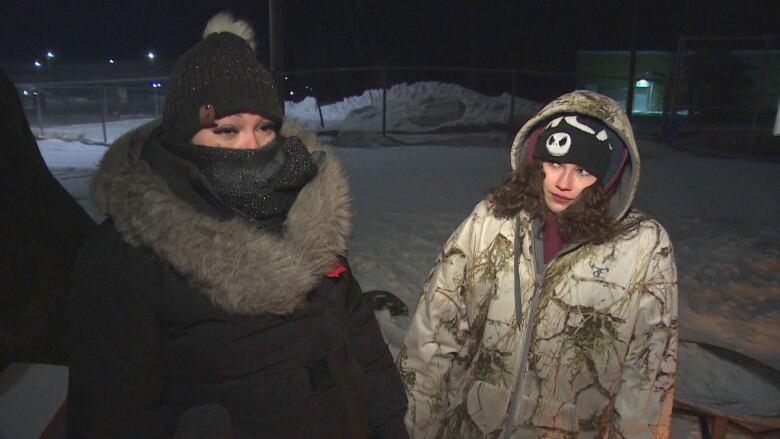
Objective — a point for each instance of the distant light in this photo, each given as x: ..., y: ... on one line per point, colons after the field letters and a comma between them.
x: 35, y: 93
x: 150, y: 55
x: 155, y: 84
x: 292, y: 93
x: 642, y: 83
x: 50, y: 54
x: 37, y: 64
x: 111, y: 61
x: 285, y: 78
x: 25, y: 93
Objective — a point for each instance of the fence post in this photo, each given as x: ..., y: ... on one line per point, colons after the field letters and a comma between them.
x: 757, y: 103
x: 671, y: 115
x: 632, y: 64
x: 319, y: 108
x: 38, y: 103
x: 513, y: 90
x: 704, y: 427
x: 103, y: 111
x: 384, y: 100
x: 156, y: 109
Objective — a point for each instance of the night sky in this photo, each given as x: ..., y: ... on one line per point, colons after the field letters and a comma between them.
x: 343, y: 33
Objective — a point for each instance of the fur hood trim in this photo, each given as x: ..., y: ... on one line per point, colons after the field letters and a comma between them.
x: 242, y: 269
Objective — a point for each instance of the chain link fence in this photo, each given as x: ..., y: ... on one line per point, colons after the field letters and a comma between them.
x: 712, y: 95
x: 89, y: 113
x: 390, y: 101
x: 723, y: 95
x: 73, y: 112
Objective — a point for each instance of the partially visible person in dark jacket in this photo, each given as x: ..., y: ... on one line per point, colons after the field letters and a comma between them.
x: 41, y: 230
x: 216, y: 300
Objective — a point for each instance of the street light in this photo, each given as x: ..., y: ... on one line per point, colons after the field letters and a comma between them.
x: 49, y: 59
x: 37, y: 64
x: 111, y: 61
x: 155, y: 85
x: 150, y: 55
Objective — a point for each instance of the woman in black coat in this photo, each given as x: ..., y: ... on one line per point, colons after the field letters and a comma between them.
x: 216, y: 300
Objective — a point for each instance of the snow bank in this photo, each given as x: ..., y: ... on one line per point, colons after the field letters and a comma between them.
x: 412, y: 108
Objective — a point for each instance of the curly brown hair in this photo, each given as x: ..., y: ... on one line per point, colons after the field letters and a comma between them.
x: 586, y: 219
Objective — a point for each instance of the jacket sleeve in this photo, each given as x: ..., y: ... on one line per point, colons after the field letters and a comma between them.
x: 115, y: 383
x: 434, y: 353
x: 386, y: 399
x: 643, y: 404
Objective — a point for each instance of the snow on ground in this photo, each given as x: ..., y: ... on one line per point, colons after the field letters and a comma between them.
x: 92, y: 132
x: 711, y: 389
x: 409, y: 199
x: 30, y: 394
x: 727, y: 243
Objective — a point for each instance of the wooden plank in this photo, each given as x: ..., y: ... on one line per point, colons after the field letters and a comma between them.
x: 753, y: 423
x: 719, y: 427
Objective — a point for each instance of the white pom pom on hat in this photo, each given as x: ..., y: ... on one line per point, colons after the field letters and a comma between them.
x: 225, y: 22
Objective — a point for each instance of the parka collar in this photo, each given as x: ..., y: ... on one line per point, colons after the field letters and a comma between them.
x: 240, y: 268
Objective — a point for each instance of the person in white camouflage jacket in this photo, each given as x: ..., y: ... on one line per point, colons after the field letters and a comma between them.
x: 552, y: 309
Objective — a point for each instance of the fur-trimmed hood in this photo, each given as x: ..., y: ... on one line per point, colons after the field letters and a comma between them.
x: 242, y: 269
x: 609, y: 112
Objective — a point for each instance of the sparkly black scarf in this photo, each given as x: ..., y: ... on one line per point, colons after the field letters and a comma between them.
x: 257, y: 185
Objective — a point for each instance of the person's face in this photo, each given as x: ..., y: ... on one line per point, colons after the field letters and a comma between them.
x: 238, y: 131
x: 563, y: 183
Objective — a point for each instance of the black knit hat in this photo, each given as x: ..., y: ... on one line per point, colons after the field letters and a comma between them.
x: 574, y: 138
x: 218, y: 77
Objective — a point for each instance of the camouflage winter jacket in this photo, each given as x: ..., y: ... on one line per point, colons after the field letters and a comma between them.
x: 593, y: 351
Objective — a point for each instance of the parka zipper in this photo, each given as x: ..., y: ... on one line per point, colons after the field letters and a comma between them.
x: 537, y: 252
x: 539, y: 276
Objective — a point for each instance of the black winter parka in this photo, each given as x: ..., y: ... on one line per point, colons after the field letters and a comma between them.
x: 184, y: 325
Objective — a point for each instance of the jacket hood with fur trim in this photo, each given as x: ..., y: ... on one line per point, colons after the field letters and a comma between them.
x: 242, y: 269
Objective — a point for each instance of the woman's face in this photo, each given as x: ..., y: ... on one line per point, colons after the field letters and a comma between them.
x: 238, y: 131
x: 563, y: 183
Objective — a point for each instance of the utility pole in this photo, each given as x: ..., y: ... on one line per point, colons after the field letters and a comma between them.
x: 275, y: 37
x: 632, y: 63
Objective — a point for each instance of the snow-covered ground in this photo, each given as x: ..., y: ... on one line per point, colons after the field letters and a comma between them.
x: 92, y: 132
x: 722, y: 215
